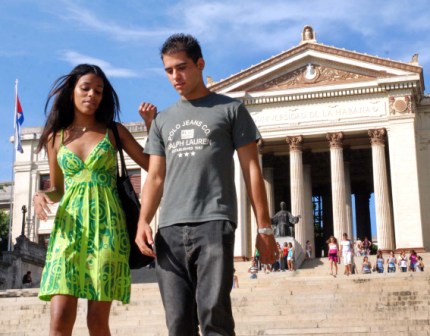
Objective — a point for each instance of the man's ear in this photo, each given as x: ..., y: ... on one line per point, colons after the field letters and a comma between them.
x: 201, y: 64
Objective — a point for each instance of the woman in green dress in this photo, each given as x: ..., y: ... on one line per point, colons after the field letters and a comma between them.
x: 88, y: 249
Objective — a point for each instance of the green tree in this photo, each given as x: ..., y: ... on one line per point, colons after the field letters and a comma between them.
x: 4, y: 223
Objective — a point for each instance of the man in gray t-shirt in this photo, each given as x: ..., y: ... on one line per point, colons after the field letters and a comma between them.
x: 198, y: 140
x: 191, y: 147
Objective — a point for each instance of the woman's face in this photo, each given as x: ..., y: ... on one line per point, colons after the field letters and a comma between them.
x: 88, y: 94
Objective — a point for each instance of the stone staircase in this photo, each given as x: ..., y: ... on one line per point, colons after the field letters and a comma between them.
x: 306, y: 302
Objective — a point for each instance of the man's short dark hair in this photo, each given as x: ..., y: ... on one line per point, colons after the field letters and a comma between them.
x: 182, y: 42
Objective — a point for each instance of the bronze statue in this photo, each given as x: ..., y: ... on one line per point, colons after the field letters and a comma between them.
x: 284, y: 221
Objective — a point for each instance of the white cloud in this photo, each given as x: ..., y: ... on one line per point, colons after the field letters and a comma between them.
x: 269, y: 25
x: 89, y: 20
x: 75, y: 58
x: 262, y: 26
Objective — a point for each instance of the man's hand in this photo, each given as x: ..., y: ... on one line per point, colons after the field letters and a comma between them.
x: 144, y: 239
x: 266, y: 245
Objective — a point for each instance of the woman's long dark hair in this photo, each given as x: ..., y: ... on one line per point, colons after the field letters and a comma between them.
x: 62, y: 111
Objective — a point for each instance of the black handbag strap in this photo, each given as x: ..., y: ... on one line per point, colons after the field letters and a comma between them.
x: 119, y: 147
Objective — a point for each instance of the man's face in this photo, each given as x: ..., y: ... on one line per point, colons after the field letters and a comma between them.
x: 184, y: 75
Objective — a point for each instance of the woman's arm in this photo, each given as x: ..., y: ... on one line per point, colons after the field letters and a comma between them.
x: 54, y: 194
x: 147, y: 111
x: 132, y: 147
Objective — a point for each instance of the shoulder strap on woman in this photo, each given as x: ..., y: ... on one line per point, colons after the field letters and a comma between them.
x: 114, y: 129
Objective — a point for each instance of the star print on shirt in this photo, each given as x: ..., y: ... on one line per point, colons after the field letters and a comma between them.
x: 187, y: 154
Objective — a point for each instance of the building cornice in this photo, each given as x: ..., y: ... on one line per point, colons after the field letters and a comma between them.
x: 272, y: 97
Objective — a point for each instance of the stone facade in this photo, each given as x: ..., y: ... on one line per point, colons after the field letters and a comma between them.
x: 342, y: 123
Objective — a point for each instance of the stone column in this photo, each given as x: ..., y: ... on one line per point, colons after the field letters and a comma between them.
x: 348, y: 201
x: 327, y: 203
x: 268, y: 182
x: 384, y: 224
x: 297, y: 187
x: 337, y: 184
x: 309, y: 225
x: 244, y: 245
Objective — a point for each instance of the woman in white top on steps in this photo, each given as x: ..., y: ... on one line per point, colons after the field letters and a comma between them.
x: 403, y: 262
x: 346, y: 252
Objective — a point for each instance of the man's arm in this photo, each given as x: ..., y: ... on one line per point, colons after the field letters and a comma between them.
x: 254, y: 182
x: 152, y: 192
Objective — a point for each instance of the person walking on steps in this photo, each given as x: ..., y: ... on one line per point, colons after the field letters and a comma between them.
x: 88, y: 249
x: 191, y: 146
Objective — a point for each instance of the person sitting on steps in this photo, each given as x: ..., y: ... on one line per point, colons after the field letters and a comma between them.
x: 27, y: 281
x: 366, y: 267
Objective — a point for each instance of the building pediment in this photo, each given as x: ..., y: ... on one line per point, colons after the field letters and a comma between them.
x: 312, y: 65
x: 310, y: 75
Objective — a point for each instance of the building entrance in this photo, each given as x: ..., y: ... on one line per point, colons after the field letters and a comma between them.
x: 358, y: 176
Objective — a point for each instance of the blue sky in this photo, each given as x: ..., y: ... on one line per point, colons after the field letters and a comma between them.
x: 42, y: 40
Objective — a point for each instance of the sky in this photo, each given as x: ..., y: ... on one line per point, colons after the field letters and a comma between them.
x: 43, y: 40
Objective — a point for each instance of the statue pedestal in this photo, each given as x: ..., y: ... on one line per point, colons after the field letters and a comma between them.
x: 299, y: 253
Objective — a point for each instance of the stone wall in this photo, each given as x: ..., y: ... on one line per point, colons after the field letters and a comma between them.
x: 26, y: 256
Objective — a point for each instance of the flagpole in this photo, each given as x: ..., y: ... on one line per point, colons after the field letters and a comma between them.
x: 9, y: 246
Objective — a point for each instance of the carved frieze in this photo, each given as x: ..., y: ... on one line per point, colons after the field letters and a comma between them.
x: 400, y: 105
x: 324, y: 113
x: 311, y: 74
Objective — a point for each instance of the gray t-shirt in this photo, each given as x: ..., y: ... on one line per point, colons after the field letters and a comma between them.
x: 198, y: 139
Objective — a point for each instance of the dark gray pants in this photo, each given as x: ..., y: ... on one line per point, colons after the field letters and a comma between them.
x: 195, y: 274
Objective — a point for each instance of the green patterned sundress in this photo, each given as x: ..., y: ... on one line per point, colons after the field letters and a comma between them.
x: 88, y: 248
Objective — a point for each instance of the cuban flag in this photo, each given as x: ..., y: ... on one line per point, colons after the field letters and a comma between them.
x: 19, y: 119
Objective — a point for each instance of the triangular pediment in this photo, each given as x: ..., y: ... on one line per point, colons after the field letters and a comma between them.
x: 311, y: 65
x: 307, y: 76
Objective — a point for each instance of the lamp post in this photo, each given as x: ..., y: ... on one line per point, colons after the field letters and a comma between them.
x: 24, y: 210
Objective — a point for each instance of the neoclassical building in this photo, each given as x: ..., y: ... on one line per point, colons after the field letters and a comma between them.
x: 337, y: 127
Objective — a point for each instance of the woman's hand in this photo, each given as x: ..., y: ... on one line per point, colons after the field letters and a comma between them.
x: 147, y: 111
x: 41, y: 203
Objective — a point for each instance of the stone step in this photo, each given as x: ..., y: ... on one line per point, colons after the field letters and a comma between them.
x: 295, y: 303
x: 282, y: 303
x: 250, y: 330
